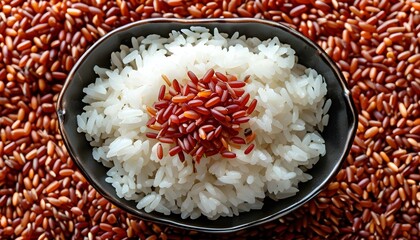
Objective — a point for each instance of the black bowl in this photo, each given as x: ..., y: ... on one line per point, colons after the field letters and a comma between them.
x: 338, y: 134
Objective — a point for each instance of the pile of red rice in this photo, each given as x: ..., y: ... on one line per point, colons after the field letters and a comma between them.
x: 375, y: 43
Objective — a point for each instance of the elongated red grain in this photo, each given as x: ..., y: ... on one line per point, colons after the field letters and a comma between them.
x: 228, y: 154
x: 193, y: 77
x: 237, y: 140
x: 175, y: 150
x: 236, y: 84
x: 249, y: 149
x: 221, y: 76
x: 159, y: 151
x: 195, y: 103
x: 208, y: 75
x: 217, y: 115
x: 191, y: 114
x: 213, y: 101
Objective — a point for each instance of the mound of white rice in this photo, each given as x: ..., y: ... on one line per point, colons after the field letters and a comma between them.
x: 290, y: 113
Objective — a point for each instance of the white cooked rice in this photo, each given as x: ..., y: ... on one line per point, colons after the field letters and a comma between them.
x: 291, y: 112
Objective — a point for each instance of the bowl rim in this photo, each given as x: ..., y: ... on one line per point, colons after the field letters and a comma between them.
x: 351, y: 111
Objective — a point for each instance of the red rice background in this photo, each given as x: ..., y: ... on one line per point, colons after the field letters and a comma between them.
x: 375, y: 42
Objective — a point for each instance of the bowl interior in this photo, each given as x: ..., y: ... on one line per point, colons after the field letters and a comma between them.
x: 338, y: 134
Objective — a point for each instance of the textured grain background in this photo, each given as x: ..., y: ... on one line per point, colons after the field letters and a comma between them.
x: 375, y: 42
